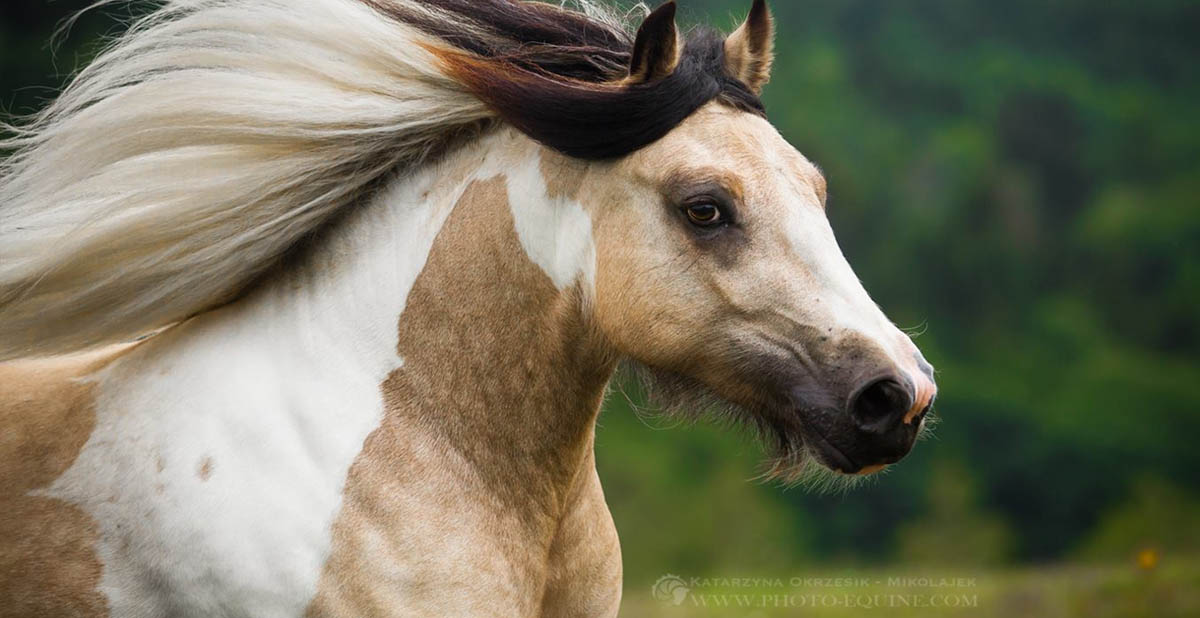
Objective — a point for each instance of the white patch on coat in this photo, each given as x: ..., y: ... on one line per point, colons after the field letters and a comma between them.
x: 555, y: 233
x: 279, y: 391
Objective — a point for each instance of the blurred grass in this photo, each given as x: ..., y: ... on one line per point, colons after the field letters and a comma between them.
x: 1169, y: 589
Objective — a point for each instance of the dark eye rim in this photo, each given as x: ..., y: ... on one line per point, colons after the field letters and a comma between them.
x: 722, y: 213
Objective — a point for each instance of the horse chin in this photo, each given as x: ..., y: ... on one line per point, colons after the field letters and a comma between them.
x: 825, y: 467
x: 814, y: 469
x: 794, y: 454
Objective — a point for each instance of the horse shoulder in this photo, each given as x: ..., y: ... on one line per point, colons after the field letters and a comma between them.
x: 47, y: 546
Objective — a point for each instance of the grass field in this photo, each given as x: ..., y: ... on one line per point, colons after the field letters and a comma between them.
x: 1169, y: 588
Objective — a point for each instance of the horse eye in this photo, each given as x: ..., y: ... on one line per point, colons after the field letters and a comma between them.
x: 705, y: 214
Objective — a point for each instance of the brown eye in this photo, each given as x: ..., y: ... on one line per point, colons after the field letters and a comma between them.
x: 704, y: 214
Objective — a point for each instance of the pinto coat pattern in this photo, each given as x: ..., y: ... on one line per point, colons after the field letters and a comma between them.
x: 381, y: 291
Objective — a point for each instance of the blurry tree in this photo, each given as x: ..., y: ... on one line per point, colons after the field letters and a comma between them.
x: 1158, y: 517
x: 953, y: 530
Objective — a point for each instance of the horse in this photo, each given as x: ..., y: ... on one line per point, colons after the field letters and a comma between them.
x: 309, y: 308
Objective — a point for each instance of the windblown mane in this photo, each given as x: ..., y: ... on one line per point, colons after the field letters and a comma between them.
x: 215, y: 134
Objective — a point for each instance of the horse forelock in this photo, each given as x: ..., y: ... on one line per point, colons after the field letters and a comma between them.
x: 558, y: 75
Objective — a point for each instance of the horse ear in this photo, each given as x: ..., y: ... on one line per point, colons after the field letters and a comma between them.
x: 656, y: 51
x: 750, y: 50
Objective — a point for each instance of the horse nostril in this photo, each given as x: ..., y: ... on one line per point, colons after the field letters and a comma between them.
x: 880, y: 404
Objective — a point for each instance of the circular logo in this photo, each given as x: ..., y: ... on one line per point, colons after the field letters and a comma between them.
x: 670, y: 589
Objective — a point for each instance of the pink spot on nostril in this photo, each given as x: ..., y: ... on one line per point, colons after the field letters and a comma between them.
x: 926, y: 391
x: 869, y: 470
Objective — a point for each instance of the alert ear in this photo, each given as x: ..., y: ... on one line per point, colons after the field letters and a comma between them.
x: 656, y: 51
x: 750, y: 50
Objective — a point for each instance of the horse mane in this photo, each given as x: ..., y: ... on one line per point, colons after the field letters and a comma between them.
x: 214, y: 135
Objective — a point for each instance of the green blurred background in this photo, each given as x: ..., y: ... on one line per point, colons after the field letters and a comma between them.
x: 1017, y: 181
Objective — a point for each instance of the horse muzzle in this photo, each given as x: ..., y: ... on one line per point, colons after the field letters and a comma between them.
x: 876, y: 427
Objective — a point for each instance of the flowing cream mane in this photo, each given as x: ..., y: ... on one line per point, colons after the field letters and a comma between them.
x: 201, y: 146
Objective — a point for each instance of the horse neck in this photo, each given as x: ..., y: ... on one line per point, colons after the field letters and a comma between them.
x: 461, y: 290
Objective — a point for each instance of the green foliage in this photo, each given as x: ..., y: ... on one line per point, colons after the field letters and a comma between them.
x: 1157, y: 517
x: 952, y: 531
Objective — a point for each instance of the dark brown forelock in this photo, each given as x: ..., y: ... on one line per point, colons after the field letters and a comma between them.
x: 555, y: 74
